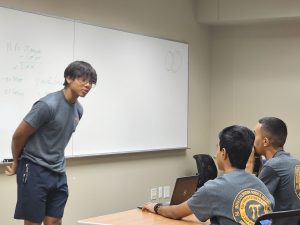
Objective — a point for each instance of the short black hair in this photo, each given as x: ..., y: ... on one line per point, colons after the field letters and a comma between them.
x: 275, y: 130
x: 238, y: 142
x: 80, y: 69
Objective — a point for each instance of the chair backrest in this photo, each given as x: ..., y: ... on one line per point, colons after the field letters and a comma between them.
x: 278, y: 215
x: 206, y: 167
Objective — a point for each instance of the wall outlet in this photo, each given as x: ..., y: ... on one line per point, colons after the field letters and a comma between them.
x: 160, y: 192
x: 166, y: 191
x: 153, y: 193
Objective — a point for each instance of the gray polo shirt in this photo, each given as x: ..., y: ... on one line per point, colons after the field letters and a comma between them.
x: 235, y: 198
x: 281, y: 175
x: 55, y: 120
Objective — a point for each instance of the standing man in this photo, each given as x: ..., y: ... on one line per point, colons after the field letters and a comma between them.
x: 38, y: 146
x: 235, y: 198
x: 281, y: 172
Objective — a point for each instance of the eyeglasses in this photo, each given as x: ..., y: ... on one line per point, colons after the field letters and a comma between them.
x: 85, y: 81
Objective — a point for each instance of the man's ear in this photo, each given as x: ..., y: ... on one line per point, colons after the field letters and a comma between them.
x: 69, y: 80
x: 266, y: 142
x: 224, y: 153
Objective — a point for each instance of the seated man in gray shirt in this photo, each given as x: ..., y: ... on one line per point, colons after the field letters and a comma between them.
x: 235, y: 198
x: 281, y: 172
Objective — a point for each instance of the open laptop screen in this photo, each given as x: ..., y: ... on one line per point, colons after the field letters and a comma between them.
x: 184, y: 188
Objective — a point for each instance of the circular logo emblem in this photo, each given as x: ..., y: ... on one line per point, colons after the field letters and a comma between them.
x: 297, y: 180
x: 248, y: 205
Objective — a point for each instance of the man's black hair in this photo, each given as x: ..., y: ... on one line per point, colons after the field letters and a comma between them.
x: 238, y: 142
x: 80, y: 69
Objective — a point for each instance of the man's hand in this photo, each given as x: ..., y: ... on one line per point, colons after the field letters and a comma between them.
x: 149, y: 206
x: 250, y: 164
x: 12, y: 169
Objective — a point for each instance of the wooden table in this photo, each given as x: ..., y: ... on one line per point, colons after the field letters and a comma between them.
x: 139, y: 217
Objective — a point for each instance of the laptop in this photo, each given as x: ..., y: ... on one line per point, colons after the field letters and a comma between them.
x: 184, y: 188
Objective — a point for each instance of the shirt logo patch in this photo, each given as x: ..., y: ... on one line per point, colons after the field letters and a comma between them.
x: 248, y: 205
x: 297, y: 180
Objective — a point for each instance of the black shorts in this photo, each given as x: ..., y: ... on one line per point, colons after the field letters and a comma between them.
x: 41, y: 192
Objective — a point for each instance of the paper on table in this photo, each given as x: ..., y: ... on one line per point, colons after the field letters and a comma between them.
x: 92, y: 223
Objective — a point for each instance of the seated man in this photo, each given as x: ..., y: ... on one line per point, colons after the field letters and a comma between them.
x: 281, y: 172
x: 235, y: 198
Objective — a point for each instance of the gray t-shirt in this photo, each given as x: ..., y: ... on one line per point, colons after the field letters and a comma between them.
x: 55, y: 120
x: 235, y: 198
x: 281, y: 175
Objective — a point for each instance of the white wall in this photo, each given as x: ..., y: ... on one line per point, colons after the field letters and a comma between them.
x: 102, y: 185
x: 256, y: 73
x: 245, y: 11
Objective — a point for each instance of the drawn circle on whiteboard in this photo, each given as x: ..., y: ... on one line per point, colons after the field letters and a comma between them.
x: 173, y: 61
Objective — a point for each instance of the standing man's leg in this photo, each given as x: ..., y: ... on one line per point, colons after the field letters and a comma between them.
x: 26, y: 222
x: 52, y: 221
x: 31, y: 196
x: 56, y: 200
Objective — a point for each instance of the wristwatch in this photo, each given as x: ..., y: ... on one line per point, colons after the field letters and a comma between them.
x: 156, y: 207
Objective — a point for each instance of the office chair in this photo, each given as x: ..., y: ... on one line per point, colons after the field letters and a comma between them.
x: 206, y: 167
x: 267, y: 218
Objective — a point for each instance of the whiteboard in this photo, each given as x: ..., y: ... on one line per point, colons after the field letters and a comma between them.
x: 141, y: 96
x: 141, y: 99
